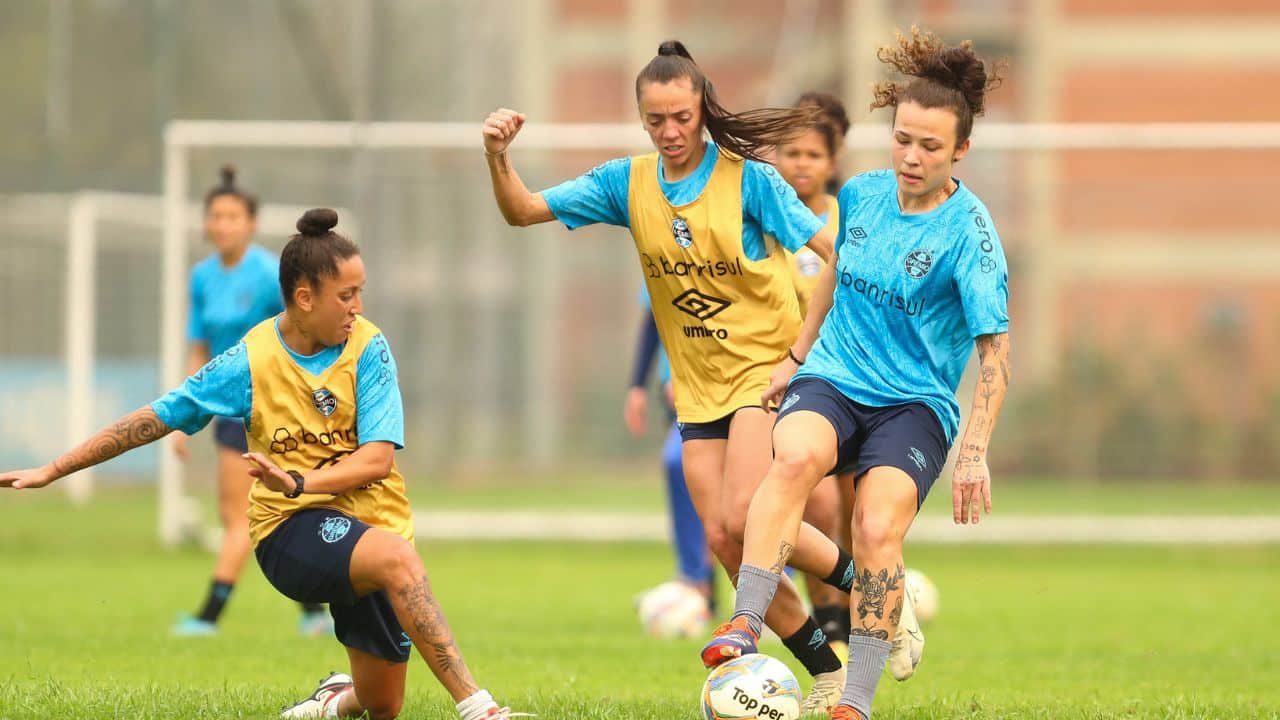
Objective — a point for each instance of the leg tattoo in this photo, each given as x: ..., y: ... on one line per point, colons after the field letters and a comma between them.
x: 875, y: 589
x: 785, y: 550
x: 438, y: 648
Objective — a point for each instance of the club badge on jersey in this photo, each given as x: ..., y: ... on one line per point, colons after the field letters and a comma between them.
x: 680, y: 231
x: 324, y: 401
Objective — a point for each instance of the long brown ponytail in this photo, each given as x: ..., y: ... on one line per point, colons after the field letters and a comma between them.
x: 747, y: 134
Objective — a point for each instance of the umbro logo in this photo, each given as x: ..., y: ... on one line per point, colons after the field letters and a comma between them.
x: 699, y: 304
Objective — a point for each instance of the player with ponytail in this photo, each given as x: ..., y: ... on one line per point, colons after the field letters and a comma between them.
x: 701, y: 210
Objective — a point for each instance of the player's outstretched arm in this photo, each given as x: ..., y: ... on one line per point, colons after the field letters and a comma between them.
x: 136, y: 429
x: 519, y: 206
x: 823, y: 244
x: 971, y: 483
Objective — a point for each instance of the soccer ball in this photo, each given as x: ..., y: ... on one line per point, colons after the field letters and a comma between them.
x: 925, y: 593
x: 674, y: 610
x: 751, y: 686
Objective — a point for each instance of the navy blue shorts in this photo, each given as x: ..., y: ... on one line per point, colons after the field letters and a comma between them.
x: 717, y: 429
x: 229, y: 433
x: 908, y: 437
x: 308, y: 559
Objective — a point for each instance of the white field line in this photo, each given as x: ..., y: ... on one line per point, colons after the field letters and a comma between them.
x: 619, y: 526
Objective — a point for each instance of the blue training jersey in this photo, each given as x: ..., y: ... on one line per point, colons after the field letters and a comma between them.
x: 769, y: 204
x: 227, y: 302
x: 224, y: 388
x: 912, y: 293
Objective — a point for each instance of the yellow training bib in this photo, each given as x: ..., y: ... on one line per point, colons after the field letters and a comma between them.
x: 725, y: 321
x: 805, y: 263
x: 305, y: 422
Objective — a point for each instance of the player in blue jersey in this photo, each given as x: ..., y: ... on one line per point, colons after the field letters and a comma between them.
x: 700, y: 212
x: 693, y: 561
x: 231, y: 291
x: 317, y: 391
x: 919, y: 280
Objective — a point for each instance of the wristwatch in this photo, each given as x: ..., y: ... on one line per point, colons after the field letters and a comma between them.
x: 297, y: 490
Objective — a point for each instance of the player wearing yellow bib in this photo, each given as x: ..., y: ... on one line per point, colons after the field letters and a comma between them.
x: 316, y: 390
x: 808, y: 163
x: 700, y: 213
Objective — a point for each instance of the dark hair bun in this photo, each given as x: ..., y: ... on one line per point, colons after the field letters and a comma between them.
x: 317, y: 221
x: 228, y: 175
x: 674, y: 48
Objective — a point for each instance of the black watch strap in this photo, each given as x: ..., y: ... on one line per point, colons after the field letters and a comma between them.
x: 297, y: 478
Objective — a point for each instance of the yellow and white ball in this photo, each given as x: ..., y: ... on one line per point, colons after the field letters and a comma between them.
x: 752, y: 686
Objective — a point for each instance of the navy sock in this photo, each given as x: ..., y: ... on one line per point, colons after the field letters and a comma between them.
x: 312, y: 608
x: 809, y: 646
x: 842, y: 576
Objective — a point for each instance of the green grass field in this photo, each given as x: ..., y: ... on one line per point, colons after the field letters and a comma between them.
x: 1024, y: 632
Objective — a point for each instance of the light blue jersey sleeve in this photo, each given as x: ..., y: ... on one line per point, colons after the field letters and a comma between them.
x: 379, y: 410
x: 981, y: 276
x: 196, y: 331
x: 222, y: 388
x: 771, y: 202
x: 599, y: 196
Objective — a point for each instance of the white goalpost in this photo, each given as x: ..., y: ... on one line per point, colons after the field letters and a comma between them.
x: 1050, y: 264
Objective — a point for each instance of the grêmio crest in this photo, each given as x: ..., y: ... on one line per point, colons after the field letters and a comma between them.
x: 324, y: 401
x: 681, y: 232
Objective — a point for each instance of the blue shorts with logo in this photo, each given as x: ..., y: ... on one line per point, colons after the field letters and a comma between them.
x: 229, y: 433
x: 717, y: 429
x: 908, y: 437
x: 308, y: 559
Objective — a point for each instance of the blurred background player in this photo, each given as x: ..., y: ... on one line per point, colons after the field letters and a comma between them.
x: 693, y: 559
x: 723, y: 299
x: 808, y: 162
x: 875, y: 390
x: 324, y: 530
x: 232, y: 290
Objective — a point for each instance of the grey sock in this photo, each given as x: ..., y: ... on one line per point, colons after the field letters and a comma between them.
x: 867, y: 657
x: 756, y: 588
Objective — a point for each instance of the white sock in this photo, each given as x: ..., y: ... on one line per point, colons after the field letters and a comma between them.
x: 331, y: 707
x: 476, y: 706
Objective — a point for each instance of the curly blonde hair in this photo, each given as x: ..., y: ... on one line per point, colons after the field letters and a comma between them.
x: 951, y: 77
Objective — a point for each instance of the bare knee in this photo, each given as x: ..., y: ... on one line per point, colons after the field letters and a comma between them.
x: 383, y: 708
x: 400, y: 567
x: 797, y: 468
x: 876, y: 532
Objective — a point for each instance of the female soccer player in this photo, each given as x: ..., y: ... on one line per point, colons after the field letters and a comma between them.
x: 316, y: 388
x: 920, y: 279
x: 231, y: 291
x: 808, y: 163
x: 722, y: 296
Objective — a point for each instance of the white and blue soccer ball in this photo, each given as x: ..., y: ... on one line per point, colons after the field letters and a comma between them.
x: 674, y: 610
x: 924, y: 593
x: 751, y: 686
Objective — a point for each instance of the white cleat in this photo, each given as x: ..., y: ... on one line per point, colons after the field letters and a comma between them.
x: 313, y: 706
x: 503, y: 713
x: 908, y: 643
x: 825, y: 693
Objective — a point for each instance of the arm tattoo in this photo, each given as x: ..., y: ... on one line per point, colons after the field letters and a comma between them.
x: 430, y: 627
x: 785, y: 549
x: 136, y: 429
x: 875, y: 590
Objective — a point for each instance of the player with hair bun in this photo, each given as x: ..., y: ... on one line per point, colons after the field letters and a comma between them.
x: 918, y: 281
x: 231, y: 291
x: 316, y: 389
